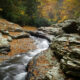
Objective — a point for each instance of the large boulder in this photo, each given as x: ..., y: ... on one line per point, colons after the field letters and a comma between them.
x: 69, y: 26
x: 67, y: 50
x: 4, y: 45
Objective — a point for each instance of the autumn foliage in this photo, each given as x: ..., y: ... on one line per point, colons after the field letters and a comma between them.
x: 59, y: 10
x: 39, y: 12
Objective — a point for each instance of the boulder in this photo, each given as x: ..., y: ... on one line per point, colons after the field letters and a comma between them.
x: 4, y: 45
x: 51, y: 30
x: 67, y: 50
x: 69, y: 26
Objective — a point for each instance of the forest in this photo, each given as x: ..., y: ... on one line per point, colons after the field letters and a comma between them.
x: 39, y: 12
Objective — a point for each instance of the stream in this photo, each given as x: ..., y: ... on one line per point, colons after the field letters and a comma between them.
x: 15, y: 68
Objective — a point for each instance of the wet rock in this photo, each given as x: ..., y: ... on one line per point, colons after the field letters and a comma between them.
x: 4, y: 45
x: 41, y: 34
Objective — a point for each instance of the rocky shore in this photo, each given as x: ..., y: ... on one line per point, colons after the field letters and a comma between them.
x: 62, y: 60
x: 14, y: 40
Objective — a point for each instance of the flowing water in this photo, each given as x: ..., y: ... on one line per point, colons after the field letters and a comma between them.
x: 15, y: 68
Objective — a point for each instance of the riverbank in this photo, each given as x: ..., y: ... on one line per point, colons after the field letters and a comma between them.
x: 17, y: 46
x: 64, y: 53
x: 15, y: 68
x: 57, y: 56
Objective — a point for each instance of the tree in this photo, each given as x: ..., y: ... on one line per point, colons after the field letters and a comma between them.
x: 19, y: 11
x: 59, y: 10
x: 31, y: 10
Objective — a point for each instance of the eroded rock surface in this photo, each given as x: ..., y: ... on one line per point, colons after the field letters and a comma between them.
x: 65, y: 45
x: 67, y: 48
x: 42, y: 64
x: 68, y: 51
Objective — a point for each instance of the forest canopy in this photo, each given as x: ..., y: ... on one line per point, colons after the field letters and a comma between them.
x: 39, y: 12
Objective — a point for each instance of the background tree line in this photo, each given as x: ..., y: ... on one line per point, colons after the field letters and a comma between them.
x: 39, y: 12
x: 60, y: 10
x: 23, y: 12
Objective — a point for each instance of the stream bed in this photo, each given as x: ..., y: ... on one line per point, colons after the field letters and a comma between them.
x: 15, y: 68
